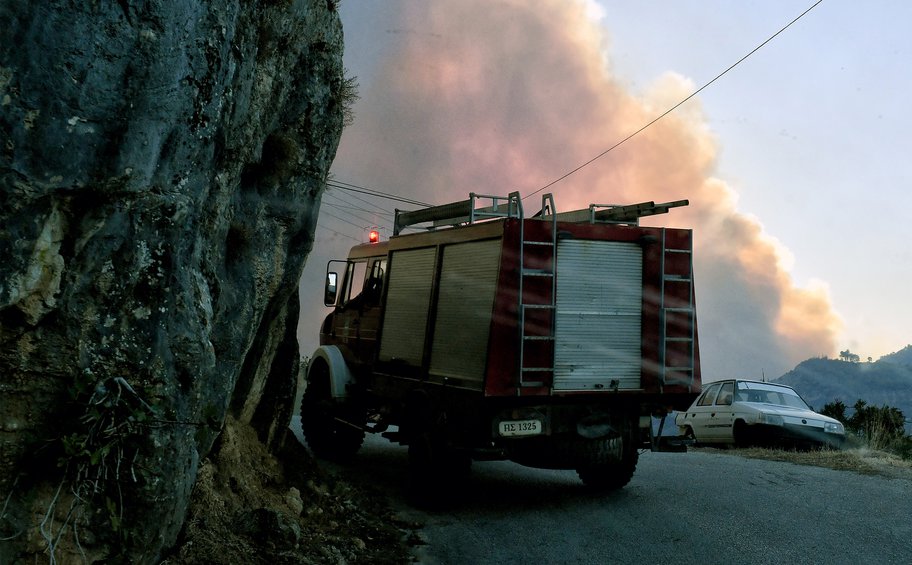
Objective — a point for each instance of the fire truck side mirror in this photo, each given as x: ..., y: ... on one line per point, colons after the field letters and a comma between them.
x: 331, y: 288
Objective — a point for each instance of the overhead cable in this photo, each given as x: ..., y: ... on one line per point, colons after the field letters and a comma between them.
x: 372, y: 192
x: 673, y: 108
x: 319, y: 225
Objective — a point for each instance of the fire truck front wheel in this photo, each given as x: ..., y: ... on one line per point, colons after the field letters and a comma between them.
x: 333, y: 429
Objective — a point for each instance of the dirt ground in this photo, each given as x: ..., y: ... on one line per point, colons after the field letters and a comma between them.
x: 251, y: 507
x: 860, y: 460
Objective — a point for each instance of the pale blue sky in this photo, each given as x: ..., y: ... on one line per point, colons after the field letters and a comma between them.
x: 809, y: 133
x: 813, y: 133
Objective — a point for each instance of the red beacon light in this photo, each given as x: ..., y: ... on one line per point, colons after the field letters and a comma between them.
x: 374, y: 236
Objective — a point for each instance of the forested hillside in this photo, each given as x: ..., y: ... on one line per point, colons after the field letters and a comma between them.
x: 886, y: 381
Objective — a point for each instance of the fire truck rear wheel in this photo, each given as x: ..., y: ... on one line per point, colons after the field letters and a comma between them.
x: 607, y: 471
x: 437, y: 471
x: 326, y: 436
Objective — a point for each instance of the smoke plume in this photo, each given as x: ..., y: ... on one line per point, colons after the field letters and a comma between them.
x: 492, y: 97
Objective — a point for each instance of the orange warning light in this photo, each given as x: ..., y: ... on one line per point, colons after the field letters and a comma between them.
x: 374, y: 236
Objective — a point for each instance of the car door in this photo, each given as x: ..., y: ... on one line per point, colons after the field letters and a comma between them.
x: 721, y: 418
x: 699, y: 414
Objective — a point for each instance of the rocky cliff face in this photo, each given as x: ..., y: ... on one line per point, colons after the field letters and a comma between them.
x: 160, y: 165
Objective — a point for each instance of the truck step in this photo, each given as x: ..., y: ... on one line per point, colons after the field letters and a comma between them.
x: 531, y: 384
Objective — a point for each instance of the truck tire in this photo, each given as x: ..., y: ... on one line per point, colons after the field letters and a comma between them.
x: 612, y: 464
x: 437, y: 471
x: 327, y: 436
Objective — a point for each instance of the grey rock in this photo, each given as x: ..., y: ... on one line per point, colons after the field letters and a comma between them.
x: 161, y: 165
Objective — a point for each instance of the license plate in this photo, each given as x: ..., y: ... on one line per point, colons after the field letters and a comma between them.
x: 520, y: 428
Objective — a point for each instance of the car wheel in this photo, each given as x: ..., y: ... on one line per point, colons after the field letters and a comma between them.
x: 689, y: 435
x: 743, y: 435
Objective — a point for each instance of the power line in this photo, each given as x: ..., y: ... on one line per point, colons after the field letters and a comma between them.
x: 379, y: 194
x: 676, y: 106
x: 372, y: 192
x: 319, y: 225
x: 347, y: 205
x: 343, y: 210
x: 331, y: 215
x: 373, y: 205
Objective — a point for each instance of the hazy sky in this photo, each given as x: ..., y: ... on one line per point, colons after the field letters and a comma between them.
x: 793, y: 161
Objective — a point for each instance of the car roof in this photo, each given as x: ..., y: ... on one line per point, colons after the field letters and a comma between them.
x: 761, y: 383
x: 750, y: 384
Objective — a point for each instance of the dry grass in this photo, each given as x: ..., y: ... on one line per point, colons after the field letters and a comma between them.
x: 860, y: 460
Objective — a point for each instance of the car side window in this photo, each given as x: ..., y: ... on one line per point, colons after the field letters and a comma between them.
x: 725, y: 394
x: 710, y: 395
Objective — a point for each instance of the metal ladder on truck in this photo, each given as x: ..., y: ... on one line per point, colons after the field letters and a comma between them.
x: 535, y: 303
x: 677, y: 314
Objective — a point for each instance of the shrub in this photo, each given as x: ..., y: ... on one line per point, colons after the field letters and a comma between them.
x: 879, y: 427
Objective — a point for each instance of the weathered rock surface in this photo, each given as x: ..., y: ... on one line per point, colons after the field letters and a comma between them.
x: 160, y: 163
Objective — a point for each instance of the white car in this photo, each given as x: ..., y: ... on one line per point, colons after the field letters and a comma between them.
x: 747, y: 413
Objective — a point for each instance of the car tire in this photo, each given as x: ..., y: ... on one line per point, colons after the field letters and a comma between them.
x: 689, y: 435
x: 743, y: 435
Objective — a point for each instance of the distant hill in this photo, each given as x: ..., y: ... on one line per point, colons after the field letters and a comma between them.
x: 901, y: 357
x: 886, y: 381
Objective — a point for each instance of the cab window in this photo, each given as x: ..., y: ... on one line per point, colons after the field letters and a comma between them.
x: 355, y: 280
x: 373, y: 287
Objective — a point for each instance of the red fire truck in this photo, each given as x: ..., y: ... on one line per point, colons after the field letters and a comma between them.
x: 550, y: 340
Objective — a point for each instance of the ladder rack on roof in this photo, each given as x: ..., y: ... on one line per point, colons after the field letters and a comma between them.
x: 461, y: 212
x: 615, y: 214
x: 465, y: 212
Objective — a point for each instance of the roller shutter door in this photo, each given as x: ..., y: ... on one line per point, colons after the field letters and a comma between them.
x: 599, y: 315
x: 468, y: 280
x: 411, y: 277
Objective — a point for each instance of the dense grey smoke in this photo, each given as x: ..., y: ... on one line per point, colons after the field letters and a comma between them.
x: 492, y: 97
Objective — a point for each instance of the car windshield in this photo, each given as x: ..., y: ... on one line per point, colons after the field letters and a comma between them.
x: 769, y: 394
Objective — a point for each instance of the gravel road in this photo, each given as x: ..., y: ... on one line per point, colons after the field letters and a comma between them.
x: 694, y: 507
